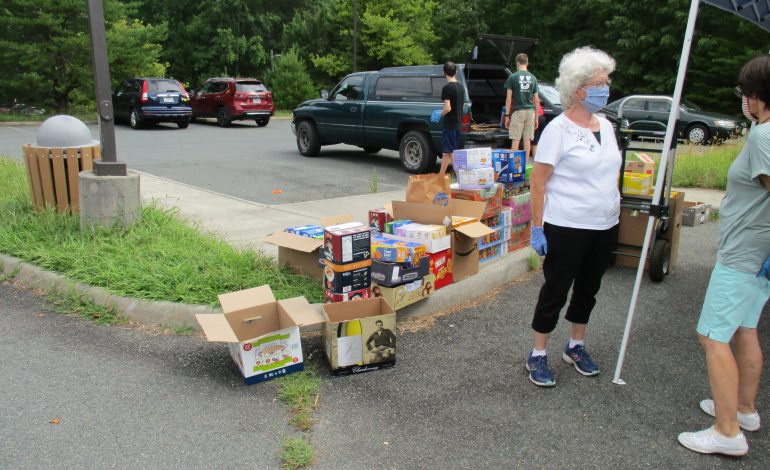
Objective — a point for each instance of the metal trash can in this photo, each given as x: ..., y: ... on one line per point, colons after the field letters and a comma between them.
x: 63, y: 149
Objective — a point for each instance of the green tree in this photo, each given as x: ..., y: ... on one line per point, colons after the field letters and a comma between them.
x: 290, y: 81
x: 391, y: 32
x: 45, y: 50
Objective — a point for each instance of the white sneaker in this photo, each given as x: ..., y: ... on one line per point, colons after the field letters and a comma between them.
x: 710, y: 441
x: 747, y: 422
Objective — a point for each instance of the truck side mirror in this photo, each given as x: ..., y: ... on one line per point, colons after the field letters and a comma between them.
x: 325, y: 94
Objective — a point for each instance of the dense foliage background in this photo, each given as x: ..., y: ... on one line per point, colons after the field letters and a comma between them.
x: 301, y: 46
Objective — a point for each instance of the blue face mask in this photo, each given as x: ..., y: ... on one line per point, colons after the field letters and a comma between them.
x: 596, y: 98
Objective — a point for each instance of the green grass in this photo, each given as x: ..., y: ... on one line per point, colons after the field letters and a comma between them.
x: 297, y: 453
x: 72, y: 303
x: 160, y: 258
x: 700, y: 166
x: 82, y: 114
x: 533, y: 260
x: 299, y: 391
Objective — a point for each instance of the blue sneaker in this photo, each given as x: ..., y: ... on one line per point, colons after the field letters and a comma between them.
x: 539, y: 372
x: 578, y: 357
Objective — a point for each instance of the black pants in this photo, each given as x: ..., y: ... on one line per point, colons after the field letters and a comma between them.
x: 574, y: 255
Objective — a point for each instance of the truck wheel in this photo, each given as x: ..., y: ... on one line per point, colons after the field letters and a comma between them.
x: 371, y: 149
x: 416, y: 152
x: 308, y: 142
x: 659, y: 260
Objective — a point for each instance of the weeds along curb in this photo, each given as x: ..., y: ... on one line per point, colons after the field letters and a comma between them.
x: 498, y: 274
x: 168, y: 314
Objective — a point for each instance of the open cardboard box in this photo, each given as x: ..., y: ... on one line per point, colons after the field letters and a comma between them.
x: 464, y: 238
x: 632, y: 228
x: 301, y: 254
x: 406, y: 294
x: 261, y: 333
x: 353, y: 340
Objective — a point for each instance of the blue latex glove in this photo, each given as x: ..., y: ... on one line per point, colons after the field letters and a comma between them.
x: 436, y: 115
x: 538, y: 242
x: 765, y: 269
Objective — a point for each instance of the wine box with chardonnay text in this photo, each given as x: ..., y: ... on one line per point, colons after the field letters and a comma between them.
x: 359, y: 336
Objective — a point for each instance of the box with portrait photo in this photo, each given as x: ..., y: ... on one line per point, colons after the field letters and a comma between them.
x: 359, y: 336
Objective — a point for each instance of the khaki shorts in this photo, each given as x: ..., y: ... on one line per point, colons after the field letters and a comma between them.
x: 522, y: 125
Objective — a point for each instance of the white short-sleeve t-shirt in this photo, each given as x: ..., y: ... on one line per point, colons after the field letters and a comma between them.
x: 582, y: 191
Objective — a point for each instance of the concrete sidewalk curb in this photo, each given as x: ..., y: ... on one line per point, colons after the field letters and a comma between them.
x: 494, y: 274
x: 168, y: 314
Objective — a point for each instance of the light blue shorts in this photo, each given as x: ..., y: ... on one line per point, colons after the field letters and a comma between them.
x: 734, y: 299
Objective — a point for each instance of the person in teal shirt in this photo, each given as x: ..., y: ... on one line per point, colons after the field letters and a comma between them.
x: 740, y: 282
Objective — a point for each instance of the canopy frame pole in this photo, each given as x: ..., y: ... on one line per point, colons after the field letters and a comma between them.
x: 670, y: 129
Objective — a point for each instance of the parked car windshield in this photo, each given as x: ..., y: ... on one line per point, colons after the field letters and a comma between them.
x: 249, y: 87
x: 550, y: 93
x: 163, y: 85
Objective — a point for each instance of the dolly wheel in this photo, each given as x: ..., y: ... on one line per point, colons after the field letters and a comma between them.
x: 659, y: 260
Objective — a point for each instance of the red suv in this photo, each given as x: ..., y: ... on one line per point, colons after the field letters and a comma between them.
x: 231, y: 99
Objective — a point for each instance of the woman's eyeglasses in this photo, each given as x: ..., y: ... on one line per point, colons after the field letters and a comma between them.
x: 605, y: 83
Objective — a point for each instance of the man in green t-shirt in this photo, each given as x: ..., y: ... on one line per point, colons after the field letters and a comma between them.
x: 521, y: 100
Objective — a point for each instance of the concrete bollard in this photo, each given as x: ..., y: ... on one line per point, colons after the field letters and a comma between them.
x: 106, y: 201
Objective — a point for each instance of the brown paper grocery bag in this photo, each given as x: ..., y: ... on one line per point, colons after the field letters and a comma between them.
x: 432, y: 188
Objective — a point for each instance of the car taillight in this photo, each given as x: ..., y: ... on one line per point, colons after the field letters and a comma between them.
x: 465, y: 125
x: 144, y: 98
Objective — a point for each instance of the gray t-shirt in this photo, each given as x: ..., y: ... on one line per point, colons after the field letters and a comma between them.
x: 744, y: 215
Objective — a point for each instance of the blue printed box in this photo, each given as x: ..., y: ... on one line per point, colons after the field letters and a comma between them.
x: 510, y: 165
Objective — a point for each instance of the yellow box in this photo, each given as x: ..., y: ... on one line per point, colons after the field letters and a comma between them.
x: 637, y: 184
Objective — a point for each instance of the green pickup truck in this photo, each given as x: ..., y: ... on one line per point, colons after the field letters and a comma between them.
x: 391, y: 108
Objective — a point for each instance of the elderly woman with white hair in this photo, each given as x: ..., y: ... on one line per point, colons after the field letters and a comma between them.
x: 575, y: 208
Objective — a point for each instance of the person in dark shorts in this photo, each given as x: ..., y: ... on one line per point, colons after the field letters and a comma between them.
x: 453, y: 96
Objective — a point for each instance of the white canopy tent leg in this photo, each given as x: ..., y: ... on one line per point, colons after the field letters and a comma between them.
x: 670, y: 128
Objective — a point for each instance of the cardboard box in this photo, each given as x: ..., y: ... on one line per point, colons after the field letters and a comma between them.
x: 520, y: 236
x: 509, y: 165
x: 492, y: 197
x: 490, y: 252
x: 637, y: 162
x: 431, y: 246
x: 633, y: 225
x: 406, y: 294
x: 333, y: 297
x: 521, y: 207
x: 393, y: 274
x: 637, y: 184
x: 262, y: 333
x: 695, y: 213
x: 512, y: 189
x: 354, y: 341
x: 297, y: 253
x: 344, y: 278
x: 476, y: 179
x: 347, y: 243
x: 300, y: 254
x: 472, y: 158
x: 378, y: 218
x: 397, y: 251
x: 441, y: 267
x: 465, y: 254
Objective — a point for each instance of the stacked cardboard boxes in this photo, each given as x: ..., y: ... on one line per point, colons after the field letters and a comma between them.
x: 516, y: 196
x: 347, y: 272
x: 510, y: 165
x: 401, y: 266
x: 473, y: 168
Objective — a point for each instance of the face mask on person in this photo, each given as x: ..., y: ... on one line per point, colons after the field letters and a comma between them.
x: 596, y: 98
x: 745, y: 109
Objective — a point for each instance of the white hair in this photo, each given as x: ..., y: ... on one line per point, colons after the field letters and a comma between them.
x: 578, y: 66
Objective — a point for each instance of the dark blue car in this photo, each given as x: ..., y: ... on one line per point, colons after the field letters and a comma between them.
x: 140, y: 101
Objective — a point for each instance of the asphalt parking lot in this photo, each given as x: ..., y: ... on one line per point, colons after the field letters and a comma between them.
x: 258, y: 164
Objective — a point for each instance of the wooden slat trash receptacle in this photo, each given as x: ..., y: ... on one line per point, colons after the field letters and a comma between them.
x: 52, y: 173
